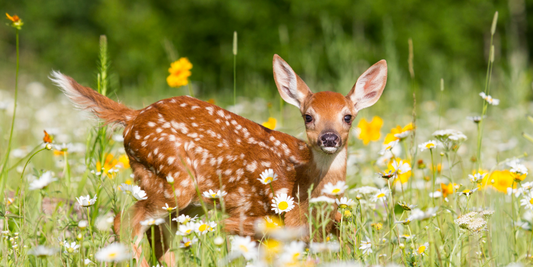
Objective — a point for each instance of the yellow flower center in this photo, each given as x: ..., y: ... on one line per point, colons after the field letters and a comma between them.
x: 188, y: 231
x: 531, y: 201
x: 213, y: 195
x: 187, y: 244
x: 466, y: 191
x: 243, y: 248
x: 343, y: 206
x: 430, y: 145
x: 283, y: 205
x: 380, y: 195
x: 336, y: 190
x: 112, y: 255
x: 347, y: 213
x: 421, y: 249
x: 269, y: 179
x: 202, y: 227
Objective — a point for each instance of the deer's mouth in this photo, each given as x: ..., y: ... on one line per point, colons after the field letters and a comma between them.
x: 329, y: 149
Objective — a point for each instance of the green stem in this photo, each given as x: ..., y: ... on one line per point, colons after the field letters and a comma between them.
x: 3, y: 175
x: 433, y: 173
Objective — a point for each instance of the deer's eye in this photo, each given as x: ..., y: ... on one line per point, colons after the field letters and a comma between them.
x: 308, y: 118
x: 348, y: 119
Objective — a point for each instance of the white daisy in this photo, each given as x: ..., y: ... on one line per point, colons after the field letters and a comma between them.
x: 344, y: 202
x: 292, y: 252
x: 153, y: 221
x: 83, y: 224
x: 244, y: 246
x: 322, y: 199
x: 214, y: 195
x: 133, y: 190
x: 86, y: 201
x: 43, y: 181
x: 316, y: 247
x: 186, y: 229
x: 42, y: 251
x: 366, y: 246
x: 167, y: 208
x: 187, y: 242
x: 335, y: 189
x: 268, y: 176
x: 431, y: 144
x: 388, y: 146
x: 282, y: 203
x: 418, y: 214
x: 476, y: 178
x: 205, y: 227
x: 114, y: 252
x: 488, y: 98
x: 527, y: 186
x: 86, y: 262
x: 401, y: 167
x: 70, y: 247
x: 518, y: 168
x: 527, y: 200
x: 435, y: 194
x: 381, y: 195
x: 183, y: 219
x: 170, y: 179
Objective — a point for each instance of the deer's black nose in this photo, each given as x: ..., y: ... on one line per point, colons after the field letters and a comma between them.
x: 329, y: 139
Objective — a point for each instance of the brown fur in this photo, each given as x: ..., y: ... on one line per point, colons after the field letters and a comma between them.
x: 200, y: 144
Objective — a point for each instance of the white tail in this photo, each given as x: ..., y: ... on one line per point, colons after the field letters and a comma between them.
x: 196, y: 143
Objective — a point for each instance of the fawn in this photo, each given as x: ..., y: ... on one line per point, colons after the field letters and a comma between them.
x: 198, y: 143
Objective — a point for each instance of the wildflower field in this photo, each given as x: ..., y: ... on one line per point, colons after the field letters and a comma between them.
x: 438, y: 180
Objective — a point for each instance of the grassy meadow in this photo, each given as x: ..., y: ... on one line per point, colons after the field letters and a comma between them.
x: 437, y: 169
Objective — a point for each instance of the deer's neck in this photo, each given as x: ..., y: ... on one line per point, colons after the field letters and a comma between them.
x: 321, y: 169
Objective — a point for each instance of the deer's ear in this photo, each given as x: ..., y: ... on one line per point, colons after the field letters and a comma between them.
x: 290, y: 86
x: 369, y: 86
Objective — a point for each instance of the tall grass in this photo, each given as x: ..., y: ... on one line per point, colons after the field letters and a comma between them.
x: 431, y: 214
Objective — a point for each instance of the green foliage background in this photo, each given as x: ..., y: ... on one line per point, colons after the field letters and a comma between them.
x: 329, y: 43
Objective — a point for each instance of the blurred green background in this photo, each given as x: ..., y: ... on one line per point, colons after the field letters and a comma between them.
x: 328, y: 43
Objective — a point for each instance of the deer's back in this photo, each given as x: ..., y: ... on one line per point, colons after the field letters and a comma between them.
x: 191, y: 139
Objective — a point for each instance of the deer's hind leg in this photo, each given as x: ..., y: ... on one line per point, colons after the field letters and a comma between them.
x: 159, y: 193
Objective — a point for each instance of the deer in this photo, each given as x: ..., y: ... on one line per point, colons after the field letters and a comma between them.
x: 199, y: 144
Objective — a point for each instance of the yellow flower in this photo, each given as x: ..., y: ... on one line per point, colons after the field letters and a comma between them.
x: 399, y: 133
x: 179, y: 72
x: 377, y: 226
x: 270, y: 124
x: 404, y: 176
x: 370, y: 131
x: 501, y: 180
x: 271, y: 248
x: 110, y: 164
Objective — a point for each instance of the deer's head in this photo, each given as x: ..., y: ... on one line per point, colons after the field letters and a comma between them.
x: 328, y: 116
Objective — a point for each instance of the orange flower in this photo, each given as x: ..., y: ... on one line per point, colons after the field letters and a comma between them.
x: 47, y: 139
x: 13, y: 18
x: 16, y: 21
x: 270, y: 124
x: 399, y: 133
x: 447, y: 189
x: 179, y: 72
x: 370, y: 131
